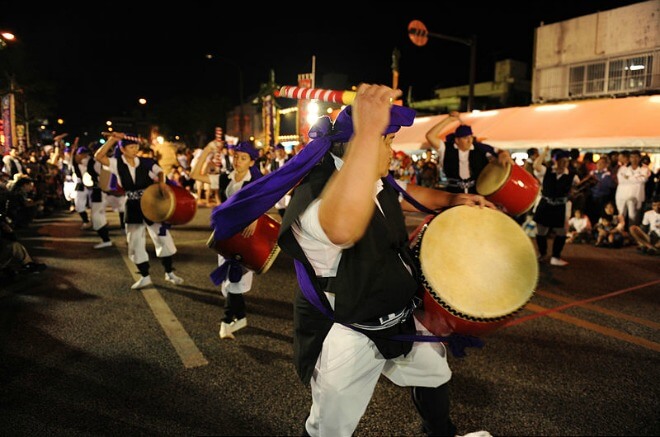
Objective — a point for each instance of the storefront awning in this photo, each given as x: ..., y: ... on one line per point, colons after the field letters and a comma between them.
x: 623, y: 123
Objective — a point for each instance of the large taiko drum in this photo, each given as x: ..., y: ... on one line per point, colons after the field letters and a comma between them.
x: 257, y: 252
x: 478, y: 269
x: 511, y: 187
x: 172, y: 204
x: 107, y: 184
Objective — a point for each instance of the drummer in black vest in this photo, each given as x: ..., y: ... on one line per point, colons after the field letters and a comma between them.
x: 551, y: 213
x: 88, y: 172
x: 461, y: 158
x: 135, y: 175
x: 346, y: 227
x: 81, y: 160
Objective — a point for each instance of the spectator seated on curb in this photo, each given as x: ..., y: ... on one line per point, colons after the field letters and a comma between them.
x: 12, y: 252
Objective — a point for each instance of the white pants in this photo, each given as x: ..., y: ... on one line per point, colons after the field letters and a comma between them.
x: 240, y: 287
x: 348, y: 369
x: 81, y: 199
x: 117, y: 203
x: 137, y: 241
x: 628, y: 205
x: 69, y: 190
x: 98, y: 213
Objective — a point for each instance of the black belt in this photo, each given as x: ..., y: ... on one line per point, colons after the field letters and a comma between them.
x: 391, y: 319
x: 555, y: 201
x: 134, y: 195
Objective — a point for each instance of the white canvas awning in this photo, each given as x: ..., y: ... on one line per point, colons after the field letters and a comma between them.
x: 624, y: 123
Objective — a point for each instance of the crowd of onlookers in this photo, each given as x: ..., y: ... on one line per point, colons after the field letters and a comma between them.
x: 616, y: 191
x: 615, y: 203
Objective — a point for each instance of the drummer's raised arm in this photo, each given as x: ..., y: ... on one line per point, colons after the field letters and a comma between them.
x: 432, y: 134
x: 197, y: 172
x: 538, y: 162
x: 101, y: 154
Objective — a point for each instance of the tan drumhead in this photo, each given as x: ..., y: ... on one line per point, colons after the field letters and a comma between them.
x: 157, y: 206
x: 104, y: 179
x: 479, y: 261
x: 492, y: 178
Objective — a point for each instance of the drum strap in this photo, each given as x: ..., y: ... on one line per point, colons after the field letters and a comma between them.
x: 456, y: 342
x: 390, y: 179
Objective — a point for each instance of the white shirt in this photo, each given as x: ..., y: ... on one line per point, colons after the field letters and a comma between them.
x: 631, y: 182
x: 234, y: 185
x: 652, y: 220
x: 153, y: 172
x: 323, y: 255
x: 579, y: 224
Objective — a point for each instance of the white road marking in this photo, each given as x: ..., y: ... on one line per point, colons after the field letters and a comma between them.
x: 190, y: 355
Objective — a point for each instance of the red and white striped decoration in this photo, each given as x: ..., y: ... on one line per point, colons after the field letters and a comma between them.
x: 333, y: 96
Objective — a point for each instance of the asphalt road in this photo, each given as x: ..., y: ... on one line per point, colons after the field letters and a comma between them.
x: 81, y: 354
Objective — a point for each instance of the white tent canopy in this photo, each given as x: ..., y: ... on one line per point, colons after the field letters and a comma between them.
x: 624, y: 123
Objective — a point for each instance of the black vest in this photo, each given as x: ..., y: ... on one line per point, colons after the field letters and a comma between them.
x: 477, y: 160
x: 371, y: 280
x: 142, y: 181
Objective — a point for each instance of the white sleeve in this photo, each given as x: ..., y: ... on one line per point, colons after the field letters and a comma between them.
x: 323, y: 255
x: 540, y: 173
x: 155, y: 171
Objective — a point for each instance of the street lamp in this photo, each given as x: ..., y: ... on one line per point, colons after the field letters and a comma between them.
x: 419, y: 36
x: 240, y: 91
x: 6, y: 37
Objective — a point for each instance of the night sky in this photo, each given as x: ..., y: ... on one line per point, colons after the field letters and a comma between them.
x: 98, y: 63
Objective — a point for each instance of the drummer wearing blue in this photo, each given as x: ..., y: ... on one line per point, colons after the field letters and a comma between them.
x: 345, y: 226
x: 235, y: 279
x: 134, y: 175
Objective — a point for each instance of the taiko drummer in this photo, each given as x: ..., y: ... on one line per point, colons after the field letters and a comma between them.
x: 134, y: 175
x: 346, y: 228
x: 461, y: 157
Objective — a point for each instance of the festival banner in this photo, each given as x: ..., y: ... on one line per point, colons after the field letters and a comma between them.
x: 8, y: 121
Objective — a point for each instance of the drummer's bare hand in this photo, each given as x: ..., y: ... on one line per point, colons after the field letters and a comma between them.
x: 472, y: 200
x: 249, y: 231
x: 162, y: 187
x: 371, y: 107
x: 504, y: 158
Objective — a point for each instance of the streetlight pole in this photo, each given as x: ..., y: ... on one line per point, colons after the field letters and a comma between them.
x: 240, y: 92
x: 419, y: 35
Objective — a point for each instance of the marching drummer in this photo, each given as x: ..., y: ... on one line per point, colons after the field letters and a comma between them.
x: 345, y: 225
x: 462, y: 158
x: 233, y: 287
x: 134, y: 176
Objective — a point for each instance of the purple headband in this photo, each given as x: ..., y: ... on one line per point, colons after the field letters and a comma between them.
x: 82, y: 149
x: 253, y: 200
x: 247, y: 147
x: 342, y: 128
x: 128, y: 139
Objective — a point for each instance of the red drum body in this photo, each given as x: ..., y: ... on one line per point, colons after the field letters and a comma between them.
x: 105, y: 183
x: 257, y: 252
x: 174, y: 205
x: 511, y: 187
x: 478, y: 270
